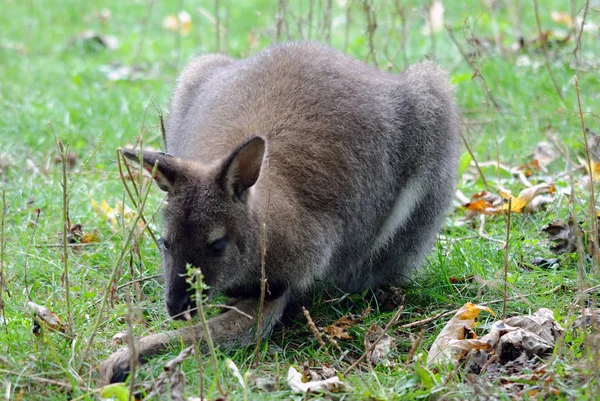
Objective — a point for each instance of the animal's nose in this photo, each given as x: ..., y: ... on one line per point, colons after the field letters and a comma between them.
x: 177, y: 306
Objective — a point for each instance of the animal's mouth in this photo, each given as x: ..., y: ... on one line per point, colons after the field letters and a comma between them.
x: 185, y: 307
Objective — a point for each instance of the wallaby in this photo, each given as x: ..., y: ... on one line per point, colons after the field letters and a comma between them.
x: 342, y: 173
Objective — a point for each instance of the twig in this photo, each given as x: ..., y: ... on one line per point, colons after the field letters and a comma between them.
x: 347, y: 27
x: 313, y: 327
x: 26, y: 262
x: 188, y: 317
x: 327, y: 22
x: 143, y: 34
x: 217, y: 28
x: 414, y: 346
x: 200, y: 287
x: 441, y: 315
x: 67, y: 386
x: 485, y: 183
x: 138, y: 280
x: 578, y: 43
x: 506, y: 257
x: 476, y: 71
x: 310, y: 18
x: 592, y: 203
x: 133, y: 355
x: 280, y: 19
x: 121, y: 159
x: 64, y: 152
x: 392, y: 321
x: 371, y: 27
x: 115, y: 270
x: 545, y: 49
x: 263, y: 269
x: 2, y: 281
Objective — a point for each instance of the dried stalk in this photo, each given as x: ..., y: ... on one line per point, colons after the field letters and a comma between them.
x: 217, y: 28
x: 263, y: 271
x: 121, y: 160
x: 545, y: 49
x: 578, y: 43
x: 473, y: 156
x: 371, y: 27
x: 476, y: 71
x: 387, y: 328
x: 207, y: 336
x: 2, y: 244
x: 506, y: 257
x: 63, y: 153
x: 113, y: 276
x: 592, y: 203
x: 26, y: 262
x: 313, y: 328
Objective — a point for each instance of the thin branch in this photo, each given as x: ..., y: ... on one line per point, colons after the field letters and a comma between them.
x: 121, y: 159
x: 578, y: 43
x: 113, y: 276
x: 2, y: 280
x: 473, y: 155
x: 592, y: 203
x: 64, y: 153
x: 545, y: 49
x: 387, y: 328
x: 26, y: 262
x: 263, y: 270
x: 476, y: 71
x: 506, y: 257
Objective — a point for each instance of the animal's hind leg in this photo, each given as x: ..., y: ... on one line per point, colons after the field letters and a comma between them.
x: 407, y: 249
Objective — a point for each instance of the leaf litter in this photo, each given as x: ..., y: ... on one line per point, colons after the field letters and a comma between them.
x: 512, y: 347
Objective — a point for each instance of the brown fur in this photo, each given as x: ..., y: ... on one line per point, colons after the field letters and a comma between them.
x: 353, y: 167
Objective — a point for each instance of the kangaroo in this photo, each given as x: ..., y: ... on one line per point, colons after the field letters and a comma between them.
x: 340, y: 171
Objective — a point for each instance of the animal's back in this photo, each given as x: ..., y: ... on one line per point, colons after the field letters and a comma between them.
x: 352, y: 151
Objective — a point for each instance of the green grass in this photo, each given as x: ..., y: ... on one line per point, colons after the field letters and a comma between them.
x: 46, y: 76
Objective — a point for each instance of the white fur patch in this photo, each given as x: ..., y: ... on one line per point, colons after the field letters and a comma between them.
x: 403, y: 207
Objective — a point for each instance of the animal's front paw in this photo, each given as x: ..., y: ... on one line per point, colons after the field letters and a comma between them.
x: 116, y: 368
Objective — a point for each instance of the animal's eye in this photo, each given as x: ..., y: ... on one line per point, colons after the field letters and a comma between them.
x: 218, y: 246
x: 163, y: 244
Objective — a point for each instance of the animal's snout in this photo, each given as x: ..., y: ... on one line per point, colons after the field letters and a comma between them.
x: 178, y: 306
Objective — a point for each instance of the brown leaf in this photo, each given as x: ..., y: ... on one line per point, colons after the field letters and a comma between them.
x: 379, y: 354
x: 43, y: 316
x: 526, y: 196
x: 296, y: 383
x: 544, y: 154
x: 562, y: 235
x: 457, y: 338
x: 338, y: 329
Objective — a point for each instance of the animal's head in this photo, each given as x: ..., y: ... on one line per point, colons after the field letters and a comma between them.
x: 206, y: 221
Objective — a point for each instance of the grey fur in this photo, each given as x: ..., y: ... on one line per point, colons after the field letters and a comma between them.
x: 356, y: 167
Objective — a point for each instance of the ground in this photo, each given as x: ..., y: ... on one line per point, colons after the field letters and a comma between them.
x: 95, y: 75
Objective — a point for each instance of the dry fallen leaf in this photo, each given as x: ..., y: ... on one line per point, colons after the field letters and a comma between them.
x: 182, y: 23
x: 338, y: 329
x: 562, y: 18
x: 544, y: 154
x: 455, y: 339
x: 526, y: 196
x: 562, y: 235
x: 380, y: 353
x: 294, y: 380
x: 170, y: 384
x: 43, y: 316
x: 588, y: 317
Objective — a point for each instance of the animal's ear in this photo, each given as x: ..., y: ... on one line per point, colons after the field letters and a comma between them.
x: 167, y: 167
x: 242, y: 167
